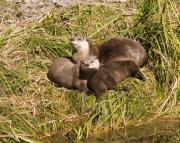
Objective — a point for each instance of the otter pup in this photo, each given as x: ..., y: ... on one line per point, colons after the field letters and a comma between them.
x: 88, y: 67
x: 64, y: 73
x: 108, y: 75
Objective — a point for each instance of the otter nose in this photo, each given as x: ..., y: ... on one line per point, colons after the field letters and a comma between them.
x: 71, y: 39
x: 86, y: 65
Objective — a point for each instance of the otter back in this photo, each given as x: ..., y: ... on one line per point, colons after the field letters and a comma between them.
x: 108, y: 75
x: 66, y: 74
x: 122, y: 49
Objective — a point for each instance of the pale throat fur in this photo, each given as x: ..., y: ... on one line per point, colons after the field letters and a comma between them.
x: 82, y: 52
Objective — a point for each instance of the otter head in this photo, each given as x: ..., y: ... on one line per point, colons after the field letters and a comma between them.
x: 88, y: 67
x: 91, y: 63
x: 80, y: 44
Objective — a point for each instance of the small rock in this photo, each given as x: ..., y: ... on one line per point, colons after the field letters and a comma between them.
x: 41, y: 5
x: 19, y: 14
x: 116, y: 1
x: 57, y: 3
x: 8, y: 22
x: 18, y: 1
x: 122, y: 0
x: 6, y: 10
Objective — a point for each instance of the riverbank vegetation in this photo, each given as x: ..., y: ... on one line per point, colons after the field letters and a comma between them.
x: 32, y: 108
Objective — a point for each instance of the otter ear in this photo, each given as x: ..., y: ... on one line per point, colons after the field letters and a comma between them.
x: 95, y: 57
x: 81, y: 63
x: 90, y: 43
x: 72, y: 39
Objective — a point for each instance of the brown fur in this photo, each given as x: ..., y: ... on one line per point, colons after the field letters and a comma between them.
x: 109, y: 74
x: 79, y: 55
x: 64, y: 73
x: 115, y: 49
x: 93, y: 50
x: 122, y: 49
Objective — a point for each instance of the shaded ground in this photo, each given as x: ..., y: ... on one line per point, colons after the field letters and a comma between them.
x: 159, y: 131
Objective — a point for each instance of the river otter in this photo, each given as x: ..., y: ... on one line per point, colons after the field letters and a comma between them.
x: 115, y: 49
x: 108, y: 75
x: 64, y: 73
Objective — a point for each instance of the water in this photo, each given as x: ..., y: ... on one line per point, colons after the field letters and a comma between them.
x: 159, y: 131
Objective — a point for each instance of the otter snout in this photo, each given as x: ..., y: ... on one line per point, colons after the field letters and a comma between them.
x: 84, y: 65
x: 71, y: 39
x: 90, y: 63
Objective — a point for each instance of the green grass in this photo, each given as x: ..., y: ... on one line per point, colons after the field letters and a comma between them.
x: 32, y: 108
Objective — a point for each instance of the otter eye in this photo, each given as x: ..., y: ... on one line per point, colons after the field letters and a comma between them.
x: 83, y: 64
x: 79, y: 39
x: 71, y: 39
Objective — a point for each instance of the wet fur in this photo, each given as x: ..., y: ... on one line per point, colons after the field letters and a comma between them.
x: 64, y: 73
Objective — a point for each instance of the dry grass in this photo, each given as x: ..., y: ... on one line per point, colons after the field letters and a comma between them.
x: 32, y: 108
